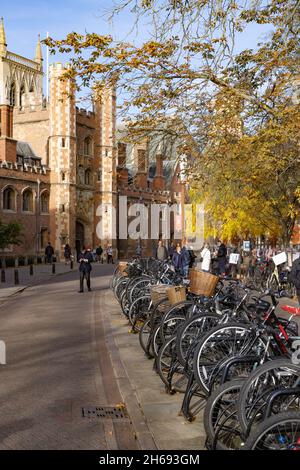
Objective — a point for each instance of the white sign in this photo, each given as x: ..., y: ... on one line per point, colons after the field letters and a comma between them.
x: 280, y: 258
x: 246, y: 245
x: 234, y: 258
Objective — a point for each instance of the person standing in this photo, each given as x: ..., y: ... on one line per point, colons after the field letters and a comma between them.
x: 67, y: 253
x: 85, y: 267
x: 99, y: 252
x: 49, y: 252
x: 221, y: 256
x: 171, y: 250
x: 109, y: 253
x: 161, y: 252
x: 295, y: 276
x: 177, y: 260
x: 205, y: 258
x: 186, y: 259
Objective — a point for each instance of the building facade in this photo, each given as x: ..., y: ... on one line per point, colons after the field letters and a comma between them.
x: 63, y: 169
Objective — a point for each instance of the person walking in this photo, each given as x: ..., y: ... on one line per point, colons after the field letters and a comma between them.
x: 295, y: 276
x: 85, y: 267
x: 161, y: 252
x: 99, y: 252
x: 221, y: 256
x: 109, y: 253
x: 205, y: 256
x: 177, y: 260
x: 49, y: 252
x: 67, y: 253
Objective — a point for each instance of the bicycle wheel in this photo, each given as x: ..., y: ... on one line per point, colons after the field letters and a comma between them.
x: 279, y: 432
x: 183, y: 309
x: 138, y: 312
x: 219, y: 409
x: 278, y: 373
x: 192, y: 330
x: 165, y: 362
x: 220, y: 344
x: 170, y: 325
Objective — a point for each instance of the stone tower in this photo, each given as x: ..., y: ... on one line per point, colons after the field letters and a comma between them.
x: 106, y: 166
x: 62, y: 160
x: 21, y: 79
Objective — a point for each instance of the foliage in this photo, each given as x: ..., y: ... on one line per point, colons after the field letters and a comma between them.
x: 10, y: 234
x: 235, y: 116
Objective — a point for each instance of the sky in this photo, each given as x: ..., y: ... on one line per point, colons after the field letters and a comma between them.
x: 25, y: 19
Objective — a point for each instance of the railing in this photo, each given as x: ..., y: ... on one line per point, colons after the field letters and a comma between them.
x: 23, y: 61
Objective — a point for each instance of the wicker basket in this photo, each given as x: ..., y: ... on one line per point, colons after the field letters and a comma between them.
x: 122, y: 266
x: 158, y: 293
x: 176, y: 294
x: 164, y: 307
x: 202, y: 283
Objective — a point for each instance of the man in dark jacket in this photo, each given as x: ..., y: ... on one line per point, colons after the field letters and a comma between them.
x: 295, y: 276
x: 85, y: 267
x: 49, y: 252
x: 221, y: 255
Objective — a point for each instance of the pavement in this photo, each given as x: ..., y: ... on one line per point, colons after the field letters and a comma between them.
x: 57, y: 363
x: 41, y: 273
x: 67, y: 351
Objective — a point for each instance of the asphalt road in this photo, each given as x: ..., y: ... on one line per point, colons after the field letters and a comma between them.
x: 57, y: 363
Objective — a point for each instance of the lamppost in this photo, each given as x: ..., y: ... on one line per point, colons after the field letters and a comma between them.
x: 37, y: 217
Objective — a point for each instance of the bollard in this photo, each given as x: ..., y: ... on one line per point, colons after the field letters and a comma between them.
x: 31, y: 270
x: 2, y: 275
x: 16, y: 262
x: 72, y: 264
x: 16, y: 277
x: 53, y: 268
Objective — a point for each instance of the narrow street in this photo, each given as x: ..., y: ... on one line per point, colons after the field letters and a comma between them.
x: 57, y: 363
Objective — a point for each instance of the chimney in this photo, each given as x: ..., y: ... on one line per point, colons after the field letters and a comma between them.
x: 8, y: 146
x: 159, y: 182
x: 122, y: 171
x: 141, y: 178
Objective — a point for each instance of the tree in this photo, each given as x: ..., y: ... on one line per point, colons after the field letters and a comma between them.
x: 187, y: 81
x: 10, y: 234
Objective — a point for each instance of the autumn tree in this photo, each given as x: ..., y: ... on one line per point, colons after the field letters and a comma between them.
x: 187, y: 81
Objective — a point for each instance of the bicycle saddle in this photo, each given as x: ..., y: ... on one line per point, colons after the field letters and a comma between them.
x: 290, y: 309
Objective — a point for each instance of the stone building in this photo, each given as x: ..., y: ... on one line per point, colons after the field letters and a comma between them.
x: 59, y: 164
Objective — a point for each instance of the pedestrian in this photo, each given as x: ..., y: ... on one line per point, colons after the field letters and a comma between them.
x: 192, y: 256
x: 109, y: 253
x: 161, y: 252
x: 205, y: 258
x: 138, y: 251
x: 49, y: 252
x: 186, y: 259
x: 67, y: 253
x: 221, y: 256
x: 295, y: 276
x: 171, y: 250
x: 85, y: 267
x: 99, y: 252
x: 177, y: 260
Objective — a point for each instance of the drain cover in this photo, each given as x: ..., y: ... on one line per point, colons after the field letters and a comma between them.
x: 105, y: 412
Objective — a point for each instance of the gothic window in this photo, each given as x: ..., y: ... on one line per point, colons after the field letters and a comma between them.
x: 31, y: 89
x: 45, y: 202
x: 9, y: 199
x: 27, y: 201
x: 87, y: 146
x: 22, y: 94
x: 12, y: 94
x: 88, y: 177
